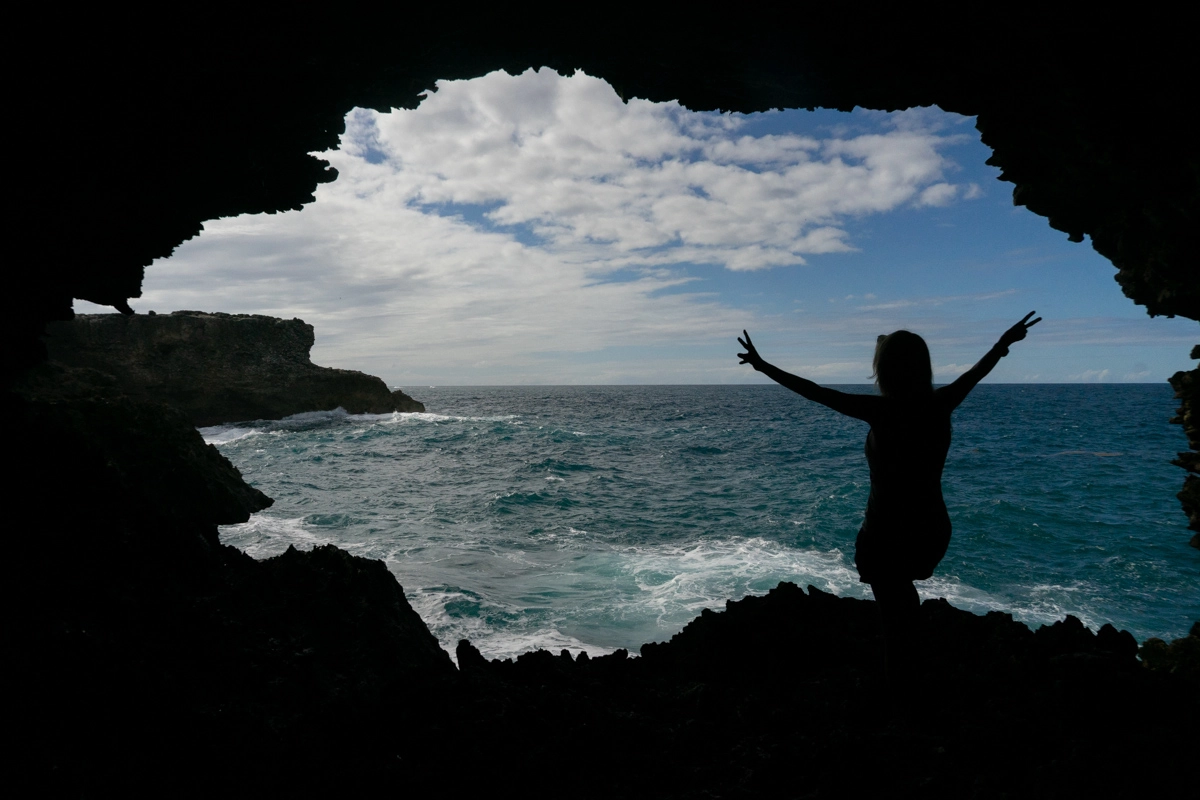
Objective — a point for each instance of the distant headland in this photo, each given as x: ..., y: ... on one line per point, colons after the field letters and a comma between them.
x: 213, y: 367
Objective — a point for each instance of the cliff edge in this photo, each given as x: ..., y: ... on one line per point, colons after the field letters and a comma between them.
x: 213, y: 367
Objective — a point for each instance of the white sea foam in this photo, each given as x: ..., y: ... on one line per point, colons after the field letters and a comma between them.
x: 430, y: 605
x: 317, y: 416
x: 425, y: 416
x: 669, y: 584
x: 1035, y: 606
x: 633, y: 594
x: 708, y: 571
x: 675, y: 580
x: 492, y: 641
x: 265, y: 536
x: 510, y: 644
x: 224, y: 434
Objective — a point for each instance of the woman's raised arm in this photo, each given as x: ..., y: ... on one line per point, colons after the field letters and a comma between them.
x: 956, y: 392
x: 852, y: 405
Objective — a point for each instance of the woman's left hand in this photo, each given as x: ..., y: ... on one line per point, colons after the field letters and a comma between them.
x: 751, y: 355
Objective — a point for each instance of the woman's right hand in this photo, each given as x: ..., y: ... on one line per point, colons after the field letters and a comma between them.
x: 751, y: 355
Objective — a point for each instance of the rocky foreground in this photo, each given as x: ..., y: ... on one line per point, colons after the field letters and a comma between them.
x: 213, y: 367
x: 145, y: 657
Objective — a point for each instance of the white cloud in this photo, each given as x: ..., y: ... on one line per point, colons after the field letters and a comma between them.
x: 1140, y: 372
x: 935, y: 301
x: 836, y: 371
x: 512, y: 218
x: 951, y: 370
x: 940, y: 194
x: 595, y: 178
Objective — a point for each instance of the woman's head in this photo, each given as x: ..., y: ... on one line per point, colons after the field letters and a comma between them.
x: 902, y: 365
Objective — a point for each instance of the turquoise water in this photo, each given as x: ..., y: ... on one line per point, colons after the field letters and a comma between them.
x: 592, y: 518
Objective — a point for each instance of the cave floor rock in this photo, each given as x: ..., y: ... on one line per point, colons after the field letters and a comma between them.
x: 307, y: 674
x: 145, y: 657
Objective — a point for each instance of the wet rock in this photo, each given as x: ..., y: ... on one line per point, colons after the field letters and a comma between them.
x: 1180, y: 658
x: 469, y: 657
x: 1119, y: 644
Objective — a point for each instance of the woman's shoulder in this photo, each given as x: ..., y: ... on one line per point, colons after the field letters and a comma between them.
x: 946, y: 398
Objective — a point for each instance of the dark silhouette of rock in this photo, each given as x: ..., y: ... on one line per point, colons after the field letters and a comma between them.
x: 1181, y: 657
x: 783, y: 695
x: 143, y: 647
x: 137, y: 465
x: 1187, y: 391
x: 213, y: 367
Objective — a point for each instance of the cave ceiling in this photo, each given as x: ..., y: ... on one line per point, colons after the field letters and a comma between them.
x: 137, y: 131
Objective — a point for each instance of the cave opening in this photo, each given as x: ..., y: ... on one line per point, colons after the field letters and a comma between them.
x: 535, y: 229
x: 143, y: 662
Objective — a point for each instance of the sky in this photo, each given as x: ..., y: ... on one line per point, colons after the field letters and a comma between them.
x: 535, y: 229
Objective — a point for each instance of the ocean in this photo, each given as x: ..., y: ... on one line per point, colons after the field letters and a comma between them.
x: 602, y: 517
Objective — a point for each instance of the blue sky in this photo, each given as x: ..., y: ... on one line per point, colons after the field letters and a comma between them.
x: 534, y: 229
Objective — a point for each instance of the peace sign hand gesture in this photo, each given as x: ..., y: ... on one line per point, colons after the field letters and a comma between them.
x: 751, y: 355
x: 1018, y: 332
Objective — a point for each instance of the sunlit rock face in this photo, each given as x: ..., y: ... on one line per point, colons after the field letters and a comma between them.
x: 213, y: 367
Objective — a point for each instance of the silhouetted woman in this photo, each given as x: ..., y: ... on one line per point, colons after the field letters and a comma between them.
x: 907, y: 528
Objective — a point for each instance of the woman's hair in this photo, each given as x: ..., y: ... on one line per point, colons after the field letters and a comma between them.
x: 902, y: 365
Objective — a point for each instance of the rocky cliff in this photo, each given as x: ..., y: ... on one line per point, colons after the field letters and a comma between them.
x: 1187, y: 391
x: 213, y: 367
x: 147, y: 651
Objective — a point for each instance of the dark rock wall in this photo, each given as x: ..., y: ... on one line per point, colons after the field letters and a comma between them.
x: 213, y: 367
x: 140, y: 650
x: 1187, y: 391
